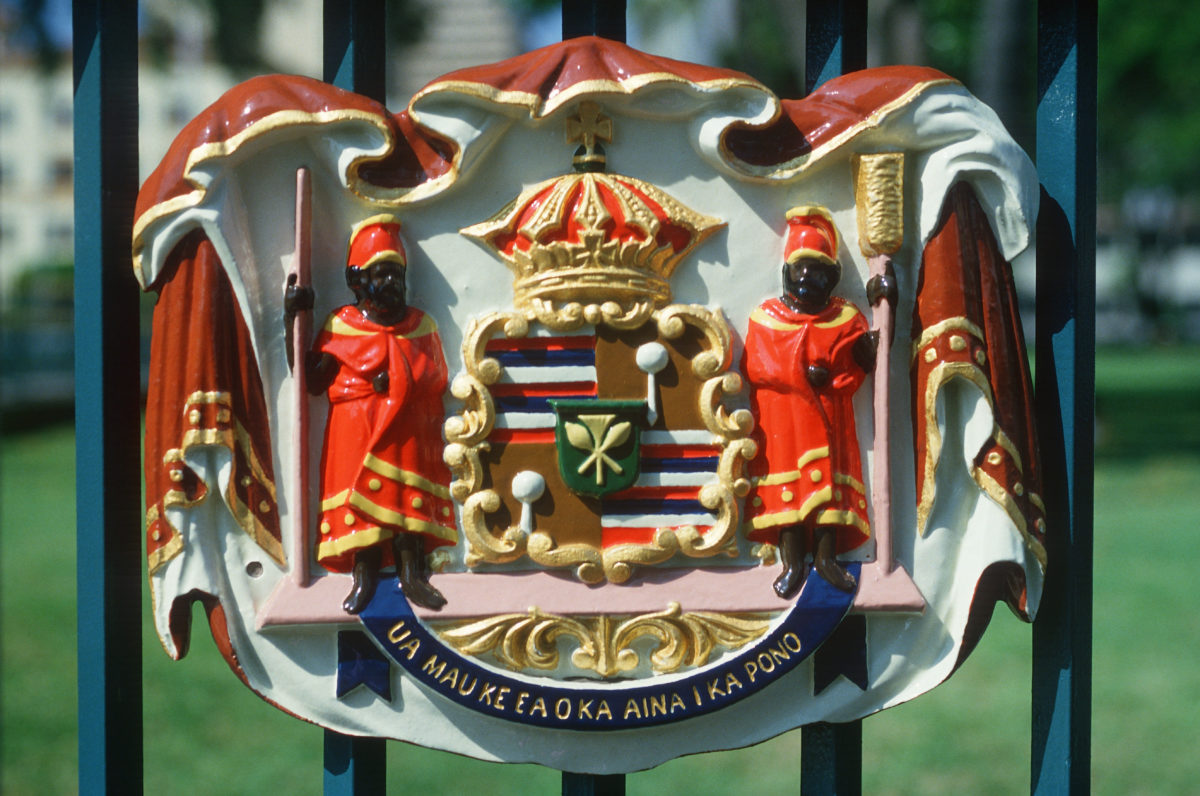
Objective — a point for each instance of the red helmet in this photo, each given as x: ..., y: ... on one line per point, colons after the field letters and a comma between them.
x: 376, y: 240
x: 811, y: 233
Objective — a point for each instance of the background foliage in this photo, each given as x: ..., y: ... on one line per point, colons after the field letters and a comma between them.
x: 208, y: 734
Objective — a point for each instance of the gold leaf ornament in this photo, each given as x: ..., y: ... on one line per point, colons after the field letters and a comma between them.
x: 599, y: 437
x: 604, y: 645
x: 578, y: 435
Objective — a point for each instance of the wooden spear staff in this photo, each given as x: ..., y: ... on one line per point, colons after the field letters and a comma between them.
x: 879, y: 194
x: 298, y: 330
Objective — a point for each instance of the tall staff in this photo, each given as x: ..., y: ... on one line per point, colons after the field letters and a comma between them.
x: 879, y: 197
x: 298, y: 306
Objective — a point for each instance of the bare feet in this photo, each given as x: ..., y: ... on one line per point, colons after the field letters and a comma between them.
x: 422, y: 593
x: 366, y: 578
x: 792, y: 547
x: 412, y: 570
x: 825, y: 561
x: 788, y: 584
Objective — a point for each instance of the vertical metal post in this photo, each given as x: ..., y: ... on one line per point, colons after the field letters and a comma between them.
x: 835, y: 39
x: 593, y: 18
x: 355, y: 47
x: 1065, y: 380
x: 835, y: 43
x: 831, y: 758
x: 593, y: 784
x: 107, y: 409
x: 355, y: 58
x: 606, y: 19
x: 354, y: 766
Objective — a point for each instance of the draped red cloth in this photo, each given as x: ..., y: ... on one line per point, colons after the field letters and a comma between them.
x: 204, y: 394
x: 808, y: 465
x: 381, y: 467
x: 966, y: 326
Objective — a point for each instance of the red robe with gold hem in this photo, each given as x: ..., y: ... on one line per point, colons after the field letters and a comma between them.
x: 808, y: 466
x: 381, y: 468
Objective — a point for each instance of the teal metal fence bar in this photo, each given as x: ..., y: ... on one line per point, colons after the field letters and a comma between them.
x: 605, y: 19
x: 1065, y: 382
x: 593, y: 18
x: 107, y: 405
x: 835, y: 43
x: 835, y: 39
x: 355, y: 58
x: 355, y: 46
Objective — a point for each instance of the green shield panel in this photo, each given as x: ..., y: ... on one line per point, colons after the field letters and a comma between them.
x: 598, y: 443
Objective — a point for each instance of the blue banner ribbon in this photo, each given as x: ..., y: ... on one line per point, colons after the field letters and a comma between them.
x: 361, y: 663
x: 817, y: 612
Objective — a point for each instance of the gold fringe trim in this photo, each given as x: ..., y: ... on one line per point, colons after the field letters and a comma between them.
x: 537, y: 107
x: 355, y: 541
x: 942, y: 327
x: 406, y: 477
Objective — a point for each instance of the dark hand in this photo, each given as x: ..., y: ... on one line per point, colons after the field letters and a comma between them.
x: 297, y: 298
x: 380, y: 382
x: 818, y: 376
x: 882, y: 286
x: 320, y: 369
x: 864, y: 351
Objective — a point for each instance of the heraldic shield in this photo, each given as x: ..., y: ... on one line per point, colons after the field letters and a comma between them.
x: 600, y: 439
x: 594, y: 410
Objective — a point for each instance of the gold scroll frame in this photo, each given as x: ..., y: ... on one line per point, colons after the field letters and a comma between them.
x: 467, y: 440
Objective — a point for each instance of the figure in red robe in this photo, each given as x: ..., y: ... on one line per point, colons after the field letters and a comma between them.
x: 385, y: 495
x: 806, y: 354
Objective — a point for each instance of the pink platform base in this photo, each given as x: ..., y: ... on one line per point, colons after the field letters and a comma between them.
x: 723, y: 589
x: 887, y: 591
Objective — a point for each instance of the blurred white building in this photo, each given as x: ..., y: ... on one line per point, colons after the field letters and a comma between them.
x: 36, y: 139
x: 35, y: 168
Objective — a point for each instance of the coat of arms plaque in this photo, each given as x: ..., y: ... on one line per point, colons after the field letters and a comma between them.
x: 593, y: 394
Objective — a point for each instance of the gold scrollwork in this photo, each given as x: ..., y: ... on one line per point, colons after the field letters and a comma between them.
x: 464, y: 461
x: 482, y: 545
x: 467, y: 440
x: 765, y: 552
x: 727, y: 425
x: 673, y: 320
x: 603, y: 644
x: 566, y: 317
x: 472, y: 426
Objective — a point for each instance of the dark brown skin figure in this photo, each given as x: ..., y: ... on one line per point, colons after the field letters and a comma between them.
x: 380, y: 293
x: 808, y: 285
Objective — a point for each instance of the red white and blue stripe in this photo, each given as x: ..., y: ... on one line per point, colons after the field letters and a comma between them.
x: 533, y: 370
x: 674, y: 465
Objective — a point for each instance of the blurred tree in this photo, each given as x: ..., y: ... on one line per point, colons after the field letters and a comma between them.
x: 237, y: 30
x: 26, y: 26
x: 1149, y: 117
x: 769, y: 45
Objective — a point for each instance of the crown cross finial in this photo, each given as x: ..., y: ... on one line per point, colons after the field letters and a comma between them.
x: 588, y: 126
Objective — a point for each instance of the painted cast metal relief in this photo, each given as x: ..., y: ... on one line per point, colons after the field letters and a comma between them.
x: 655, y: 392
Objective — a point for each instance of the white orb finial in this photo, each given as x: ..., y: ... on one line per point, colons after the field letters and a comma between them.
x: 652, y: 357
x: 528, y: 486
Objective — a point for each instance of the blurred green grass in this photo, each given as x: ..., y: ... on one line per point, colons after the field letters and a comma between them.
x: 205, y: 733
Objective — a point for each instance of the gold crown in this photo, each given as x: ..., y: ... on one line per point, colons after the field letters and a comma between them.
x: 593, y: 246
